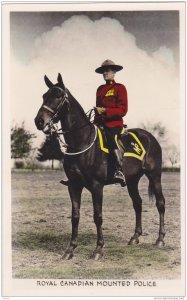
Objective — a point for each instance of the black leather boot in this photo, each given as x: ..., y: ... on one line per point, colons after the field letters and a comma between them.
x: 119, y: 176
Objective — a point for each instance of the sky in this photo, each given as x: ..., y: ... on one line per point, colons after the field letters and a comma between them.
x: 145, y: 43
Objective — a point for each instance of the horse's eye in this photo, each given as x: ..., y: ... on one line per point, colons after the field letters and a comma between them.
x: 58, y: 94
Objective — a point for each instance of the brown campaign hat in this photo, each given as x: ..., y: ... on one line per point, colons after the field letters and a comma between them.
x: 108, y: 64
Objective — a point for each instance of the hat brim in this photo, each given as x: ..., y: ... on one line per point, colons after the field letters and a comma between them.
x: 116, y: 68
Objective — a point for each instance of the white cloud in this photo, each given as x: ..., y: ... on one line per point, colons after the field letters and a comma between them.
x: 165, y: 56
x: 76, y: 49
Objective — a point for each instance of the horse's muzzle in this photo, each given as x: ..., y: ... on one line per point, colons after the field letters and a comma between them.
x: 39, y: 122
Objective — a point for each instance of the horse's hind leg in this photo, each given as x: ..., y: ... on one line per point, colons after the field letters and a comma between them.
x: 156, y: 187
x: 75, y: 191
x: 97, y: 197
x: 137, y: 204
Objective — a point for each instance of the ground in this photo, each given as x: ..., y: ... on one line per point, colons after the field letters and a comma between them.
x: 41, y: 229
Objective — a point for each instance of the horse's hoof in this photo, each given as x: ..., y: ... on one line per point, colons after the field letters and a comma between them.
x: 67, y: 255
x: 97, y: 255
x: 133, y: 241
x: 160, y: 243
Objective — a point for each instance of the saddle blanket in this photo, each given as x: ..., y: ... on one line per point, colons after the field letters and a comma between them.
x: 128, y: 143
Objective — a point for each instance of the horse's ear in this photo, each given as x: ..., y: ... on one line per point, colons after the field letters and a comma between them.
x: 48, y: 82
x: 60, y: 81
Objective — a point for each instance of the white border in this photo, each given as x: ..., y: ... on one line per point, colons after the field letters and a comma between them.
x: 24, y: 287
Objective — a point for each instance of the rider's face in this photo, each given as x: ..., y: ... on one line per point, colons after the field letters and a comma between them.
x: 109, y: 74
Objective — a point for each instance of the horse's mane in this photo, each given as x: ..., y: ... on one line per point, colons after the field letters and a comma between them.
x: 79, y: 108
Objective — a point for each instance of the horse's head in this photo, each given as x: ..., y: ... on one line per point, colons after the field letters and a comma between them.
x: 54, y: 101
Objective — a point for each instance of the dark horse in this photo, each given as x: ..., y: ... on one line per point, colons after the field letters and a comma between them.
x: 86, y: 165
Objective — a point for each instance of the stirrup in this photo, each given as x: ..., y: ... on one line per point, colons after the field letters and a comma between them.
x: 119, y: 178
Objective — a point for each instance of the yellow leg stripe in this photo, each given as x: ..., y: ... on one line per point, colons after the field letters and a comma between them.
x: 116, y: 140
x: 101, y: 141
x: 123, y: 130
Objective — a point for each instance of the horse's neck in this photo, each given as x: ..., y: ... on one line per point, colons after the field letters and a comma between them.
x: 76, y: 125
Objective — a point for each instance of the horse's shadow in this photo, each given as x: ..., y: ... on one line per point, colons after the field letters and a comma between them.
x: 53, y: 241
x: 58, y: 242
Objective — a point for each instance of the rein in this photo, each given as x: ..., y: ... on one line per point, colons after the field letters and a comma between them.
x: 88, y: 114
x: 80, y: 152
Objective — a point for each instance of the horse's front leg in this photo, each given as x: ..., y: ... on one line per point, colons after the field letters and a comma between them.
x: 97, y: 197
x: 75, y: 191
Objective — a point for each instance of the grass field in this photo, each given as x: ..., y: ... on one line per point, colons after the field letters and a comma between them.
x: 41, y: 229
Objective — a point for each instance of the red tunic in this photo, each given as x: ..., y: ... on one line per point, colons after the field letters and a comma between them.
x: 112, y: 96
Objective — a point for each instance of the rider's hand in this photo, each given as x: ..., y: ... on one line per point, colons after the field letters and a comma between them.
x: 101, y: 110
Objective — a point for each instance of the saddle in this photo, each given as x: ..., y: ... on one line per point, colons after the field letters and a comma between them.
x: 129, y: 144
x: 127, y: 141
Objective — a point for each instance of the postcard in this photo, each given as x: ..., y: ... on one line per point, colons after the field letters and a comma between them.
x: 93, y: 147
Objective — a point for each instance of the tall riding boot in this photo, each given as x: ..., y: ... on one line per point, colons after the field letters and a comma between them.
x: 119, y: 176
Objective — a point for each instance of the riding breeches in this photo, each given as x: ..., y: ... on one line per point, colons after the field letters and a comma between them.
x: 110, y: 135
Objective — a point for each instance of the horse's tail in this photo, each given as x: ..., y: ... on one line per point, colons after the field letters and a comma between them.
x: 151, y: 192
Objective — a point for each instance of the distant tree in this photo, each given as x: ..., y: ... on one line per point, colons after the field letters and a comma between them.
x: 50, y: 150
x: 31, y: 161
x: 157, y: 129
x: 173, y: 155
x: 170, y: 153
x: 21, y: 141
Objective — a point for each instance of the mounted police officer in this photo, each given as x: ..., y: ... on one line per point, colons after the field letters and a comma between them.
x: 111, y: 106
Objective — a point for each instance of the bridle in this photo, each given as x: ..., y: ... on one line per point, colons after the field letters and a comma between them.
x: 54, y: 128
x: 63, y: 99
